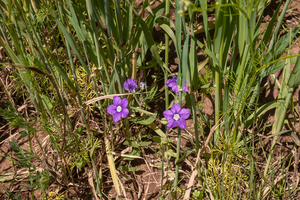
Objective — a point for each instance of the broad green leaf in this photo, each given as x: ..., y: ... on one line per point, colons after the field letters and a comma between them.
x: 144, y: 121
x: 264, y: 108
x: 160, y: 140
x: 185, y: 155
x: 294, y: 80
x: 142, y: 144
x: 154, y: 127
x: 143, y: 111
x: 130, y: 143
x: 283, y: 100
x: 171, y: 153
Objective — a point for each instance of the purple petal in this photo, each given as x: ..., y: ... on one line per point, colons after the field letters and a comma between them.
x: 175, y: 88
x: 124, y: 103
x: 172, y: 82
x: 130, y: 84
x: 169, y: 81
x: 184, y: 113
x: 111, y: 109
x: 184, y: 87
x: 171, y: 123
x: 181, y: 123
x: 131, y: 81
x: 126, y: 85
x: 176, y: 108
x: 133, y: 87
x: 117, y: 100
x: 168, y: 114
x: 124, y: 112
x: 116, y: 116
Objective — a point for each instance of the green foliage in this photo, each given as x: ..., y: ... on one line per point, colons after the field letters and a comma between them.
x: 42, y: 14
x: 12, y: 196
x: 15, y: 119
x: 79, y: 156
x: 45, y: 180
x: 23, y: 159
x: 204, y: 79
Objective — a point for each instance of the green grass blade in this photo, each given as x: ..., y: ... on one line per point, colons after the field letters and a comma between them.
x: 70, y: 41
x: 294, y: 80
x: 274, y: 36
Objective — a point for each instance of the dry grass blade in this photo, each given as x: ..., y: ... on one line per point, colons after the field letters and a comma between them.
x: 200, y: 152
x: 125, y: 156
x: 112, y: 166
x: 147, y: 188
x: 91, y: 183
x: 190, y: 184
x: 122, y: 187
x: 279, y: 178
x: 9, y: 138
x: 296, y: 165
x: 101, y: 98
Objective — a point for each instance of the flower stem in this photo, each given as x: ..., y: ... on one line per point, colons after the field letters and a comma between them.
x: 177, y: 153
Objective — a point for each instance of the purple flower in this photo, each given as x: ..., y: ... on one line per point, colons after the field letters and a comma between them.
x: 176, y: 116
x: 118, y: 109
x: 130, y: 84
x: 172, y: 83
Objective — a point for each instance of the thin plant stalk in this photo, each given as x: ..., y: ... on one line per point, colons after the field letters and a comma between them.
x: 111, y: 162
x: 167, y: 13
x: 177, y: 153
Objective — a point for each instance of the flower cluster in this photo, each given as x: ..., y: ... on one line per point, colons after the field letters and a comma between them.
x: 119, y: 107
x: 172, y: 83
x: 176, y: 116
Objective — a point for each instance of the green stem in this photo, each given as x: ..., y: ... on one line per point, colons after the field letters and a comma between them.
x: 192, y: 96
x: 166, y: 95
x: 29, y: 168
x: 218, y: 99
x: 278, y: 128
x: 177, y: 153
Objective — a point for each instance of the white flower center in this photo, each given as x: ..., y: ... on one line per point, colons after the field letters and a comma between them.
x: 119, y: 108
x: 176, y: 117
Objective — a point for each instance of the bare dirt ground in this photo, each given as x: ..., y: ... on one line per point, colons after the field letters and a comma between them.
x: 148, y: 178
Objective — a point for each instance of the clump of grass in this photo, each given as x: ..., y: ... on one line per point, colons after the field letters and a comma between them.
x: 205, y: 78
